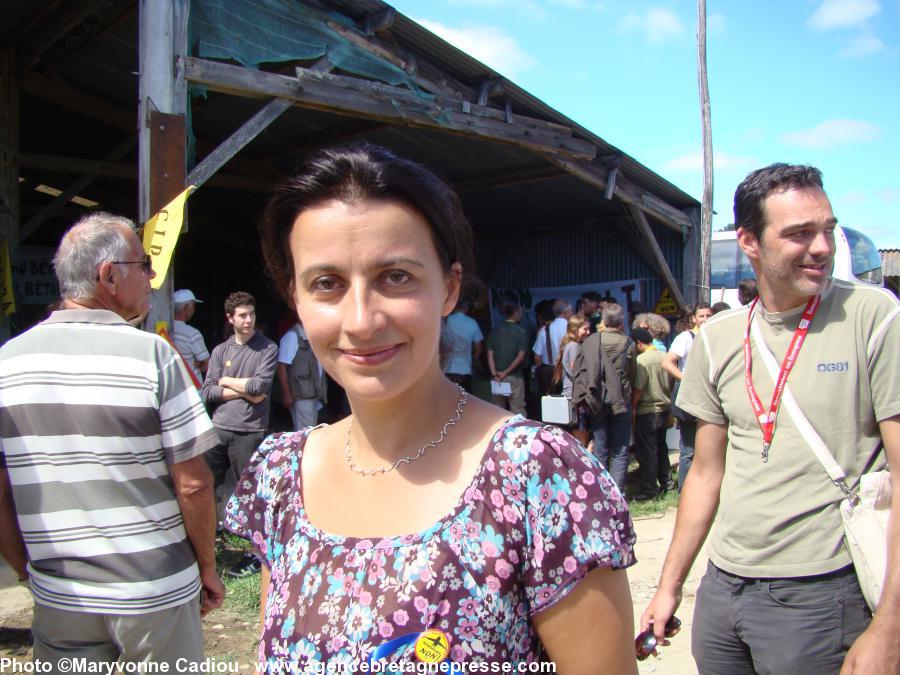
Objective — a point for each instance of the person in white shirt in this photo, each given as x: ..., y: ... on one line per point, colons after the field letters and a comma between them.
x: 188, y: 340
x: 674, y: 364
x: 301, y: 379
x: 546, y: 355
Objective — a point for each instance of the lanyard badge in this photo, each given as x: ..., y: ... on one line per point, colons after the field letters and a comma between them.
x: 766, y: 419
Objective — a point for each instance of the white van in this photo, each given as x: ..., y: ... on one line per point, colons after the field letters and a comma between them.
x: 855, y: 258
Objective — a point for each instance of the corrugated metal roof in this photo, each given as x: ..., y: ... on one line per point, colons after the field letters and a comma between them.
x: 419, y: 39
x: 890, y: 261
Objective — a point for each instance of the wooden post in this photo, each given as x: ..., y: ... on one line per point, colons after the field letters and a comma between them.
x: 162, y: 96
x: 9, y: 164
x: 706, y: 207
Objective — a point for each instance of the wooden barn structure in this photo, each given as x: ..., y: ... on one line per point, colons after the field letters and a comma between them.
x: 117, y: 105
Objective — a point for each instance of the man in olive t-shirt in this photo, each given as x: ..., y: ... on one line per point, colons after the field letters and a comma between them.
x: 650, y: 394
x: 507, y: 346
x: 781, y: 594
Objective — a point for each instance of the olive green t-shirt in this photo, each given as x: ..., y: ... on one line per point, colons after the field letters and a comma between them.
x: 781, y: 518
x: 506, y: 341
x: 653, y: 382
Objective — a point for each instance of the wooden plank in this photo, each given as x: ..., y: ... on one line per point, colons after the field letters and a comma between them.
x: 489, y: 89
x: 350, y: 96
x: 656, y: 254
x: 161, y: 149
x: 510, y: 178
x: 380, y: 22
x: 237, y: 141
x: 117, y: 117
x: 74, y: 99
x: 423, y: 74
x: 611, y: 182
x: 73, y: 190
x: 129, y: 171
x: 627, y: 192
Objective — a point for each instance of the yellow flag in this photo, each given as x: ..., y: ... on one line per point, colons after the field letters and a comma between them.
x: 161, y: 234
x: 7, y: 297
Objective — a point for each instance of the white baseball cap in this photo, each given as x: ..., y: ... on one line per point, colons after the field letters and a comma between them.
x: 184, y: 295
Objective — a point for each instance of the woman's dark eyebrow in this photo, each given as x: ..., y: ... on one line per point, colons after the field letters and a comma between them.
x: 389, y: 262
x: 400, y: 261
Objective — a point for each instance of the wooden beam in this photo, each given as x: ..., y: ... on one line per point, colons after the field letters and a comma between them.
x: 128, y: 170
x: 161, y: 161
x: 489, y: 89
x: 237, y: 141
x: 73, y: 190
x: 373, y: 100
x: 380, y: 22
x: 53, y: 28
x: 117, y: 117
x: 627, y: 192
x: 662, y: 267
x: 74, y: 99
x: 541, y: 173
x: 611, y: 183
x: 425, y: 75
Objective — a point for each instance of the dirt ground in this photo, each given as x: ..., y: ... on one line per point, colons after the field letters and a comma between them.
x: 232, y: 638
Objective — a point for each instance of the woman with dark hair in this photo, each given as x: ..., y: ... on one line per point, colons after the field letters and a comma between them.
x: 428, y: 522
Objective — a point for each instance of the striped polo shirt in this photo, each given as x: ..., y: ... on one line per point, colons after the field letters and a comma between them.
x: 92, y: 414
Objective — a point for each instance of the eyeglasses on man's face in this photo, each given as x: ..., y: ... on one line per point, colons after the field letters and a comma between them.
x: 146, y: 264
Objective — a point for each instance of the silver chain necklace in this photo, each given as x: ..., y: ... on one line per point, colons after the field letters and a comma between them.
x: 454, y: 419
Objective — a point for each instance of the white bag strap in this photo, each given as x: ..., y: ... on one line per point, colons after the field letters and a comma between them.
x: 816, y: 444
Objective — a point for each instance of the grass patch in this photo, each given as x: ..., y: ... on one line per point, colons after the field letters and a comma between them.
x: 654, y: 507
x: 242, y: 596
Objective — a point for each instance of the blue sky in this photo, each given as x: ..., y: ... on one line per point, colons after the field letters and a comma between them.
x: 805, y: 81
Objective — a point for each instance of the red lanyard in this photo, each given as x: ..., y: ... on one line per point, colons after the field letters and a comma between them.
x: 767, y: 419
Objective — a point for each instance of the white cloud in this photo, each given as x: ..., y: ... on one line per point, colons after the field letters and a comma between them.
x: 833, y: 132
x: 658, y: 24
x: 490, y: 45
x: 715, y: 23
x: 860, y: 46
x: 843, y: 13
x: 888, y: 194
x: 694, y: 162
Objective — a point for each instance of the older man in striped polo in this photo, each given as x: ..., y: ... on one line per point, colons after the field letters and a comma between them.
x: 106, y: 503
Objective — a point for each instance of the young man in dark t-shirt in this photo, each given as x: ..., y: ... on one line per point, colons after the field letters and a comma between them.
x: 236, y: 389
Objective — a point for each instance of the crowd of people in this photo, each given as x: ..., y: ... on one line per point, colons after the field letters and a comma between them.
x: 429, y: 521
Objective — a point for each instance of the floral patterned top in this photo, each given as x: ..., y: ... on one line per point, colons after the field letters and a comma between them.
x: 538, y: 515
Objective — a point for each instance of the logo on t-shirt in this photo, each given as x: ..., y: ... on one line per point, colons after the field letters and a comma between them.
x: 835, y: 367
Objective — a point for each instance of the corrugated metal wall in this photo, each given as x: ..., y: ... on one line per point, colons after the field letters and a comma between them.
x: 574, y: 257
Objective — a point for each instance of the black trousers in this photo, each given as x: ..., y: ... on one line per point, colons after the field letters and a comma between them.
x: 227, y: 460
x: 651, y: 451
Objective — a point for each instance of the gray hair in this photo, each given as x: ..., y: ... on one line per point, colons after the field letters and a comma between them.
x: 613, y: 315
x: 657, y: 325
x: 560, y: 307
x: 95, y: 239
